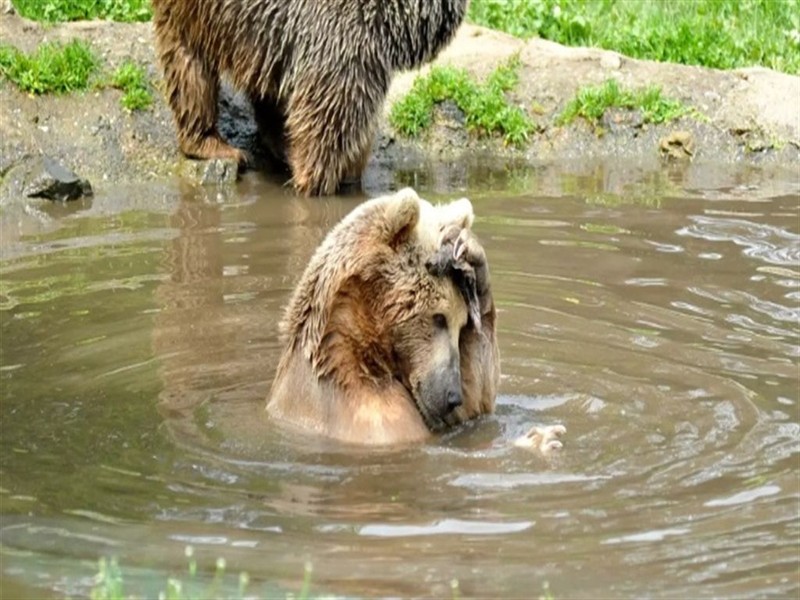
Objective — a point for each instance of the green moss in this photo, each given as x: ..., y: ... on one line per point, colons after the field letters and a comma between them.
x: 591, y: 102
x: 132, y: 80
x: 723, y: 34
x: 485, y: 106
x: 75, y: 10
x: 53, y: 68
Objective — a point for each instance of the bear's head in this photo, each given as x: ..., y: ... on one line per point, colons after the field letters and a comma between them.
x: 372, y: 310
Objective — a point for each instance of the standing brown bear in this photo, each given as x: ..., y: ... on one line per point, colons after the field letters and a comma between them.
x: 317, y: 72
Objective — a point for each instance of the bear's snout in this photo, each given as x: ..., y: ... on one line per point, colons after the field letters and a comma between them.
x: 454, y: 399
x: 440, y: 394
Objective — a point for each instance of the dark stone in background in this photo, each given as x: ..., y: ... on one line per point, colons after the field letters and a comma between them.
x: 46, y: 178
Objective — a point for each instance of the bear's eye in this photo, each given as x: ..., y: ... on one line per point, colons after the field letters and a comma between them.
x: 440, y: 321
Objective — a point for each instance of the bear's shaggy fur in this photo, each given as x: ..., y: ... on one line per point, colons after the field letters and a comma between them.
x: 317, y: 72
x: 390, y: 333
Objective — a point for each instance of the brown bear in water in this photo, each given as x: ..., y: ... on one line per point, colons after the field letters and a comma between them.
x: 317, y: 72
x: 390, y: 333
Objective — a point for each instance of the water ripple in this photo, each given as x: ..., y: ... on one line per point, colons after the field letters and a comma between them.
x: 444, y: 527
x: 745, y: 497
x: 764, y: 242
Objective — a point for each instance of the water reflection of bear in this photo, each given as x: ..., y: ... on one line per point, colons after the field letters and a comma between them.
x: 228, y: 272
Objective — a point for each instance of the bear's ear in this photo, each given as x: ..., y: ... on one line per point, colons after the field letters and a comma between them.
x: 400, y: 217
x: 457, y: 213
x: 441, y: 222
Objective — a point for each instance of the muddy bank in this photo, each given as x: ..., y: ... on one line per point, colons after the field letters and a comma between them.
x: 752, y: 115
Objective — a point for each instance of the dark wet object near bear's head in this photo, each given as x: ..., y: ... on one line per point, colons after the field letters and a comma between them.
x: 379, y: 346
x: 444, y: 264
x: 316, y: 72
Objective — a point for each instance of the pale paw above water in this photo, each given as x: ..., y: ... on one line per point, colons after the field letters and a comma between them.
x: 545, y: 439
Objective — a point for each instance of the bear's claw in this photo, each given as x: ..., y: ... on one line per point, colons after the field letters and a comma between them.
x: 545, y: 439
x: 460, y: 245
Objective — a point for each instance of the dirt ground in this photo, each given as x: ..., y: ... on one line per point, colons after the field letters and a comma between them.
x: 752, y: 115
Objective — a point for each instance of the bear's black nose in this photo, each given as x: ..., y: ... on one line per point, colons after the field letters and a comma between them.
x: 453, y: 399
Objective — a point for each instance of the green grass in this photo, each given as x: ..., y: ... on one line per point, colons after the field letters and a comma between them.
x: 75, y: 10
x: 109, y: 584
x: 713, y: 33
x: 132, y: 80
x: 723, y: 34
x: 52, y: 69
x: 485, y: 106
x: 591, y: 102
x: 60, y: 69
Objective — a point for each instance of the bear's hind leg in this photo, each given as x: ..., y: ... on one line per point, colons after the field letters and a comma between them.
x: 352, y: 176
x: 192, y: 89
x: 330, y: 142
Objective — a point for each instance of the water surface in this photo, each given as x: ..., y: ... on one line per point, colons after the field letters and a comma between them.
x: 655, y: 315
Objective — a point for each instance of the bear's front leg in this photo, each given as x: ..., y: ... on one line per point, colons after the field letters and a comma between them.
x: 192, y: 87
x: 466, y: 249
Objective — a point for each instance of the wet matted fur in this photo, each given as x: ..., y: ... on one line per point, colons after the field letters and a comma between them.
x: 381, y: 345
x: 317, y: 72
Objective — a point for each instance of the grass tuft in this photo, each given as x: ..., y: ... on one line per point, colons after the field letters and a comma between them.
x: 108, y: 581
x: 132, y: 80
x: 109, y: 584
x: 60, y: 69
x: 52, y: 11
x: 723, y: 34
x: 485, y: 106
x: 546, y: 593
x: 591, y: 102
x: 52, y: 69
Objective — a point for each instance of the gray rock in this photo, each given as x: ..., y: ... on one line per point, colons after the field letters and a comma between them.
x: 210, y: 172
x: 617, y: 120
x: 47, y: 178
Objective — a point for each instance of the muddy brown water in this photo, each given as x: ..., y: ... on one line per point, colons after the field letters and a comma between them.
x: 654, y: 314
